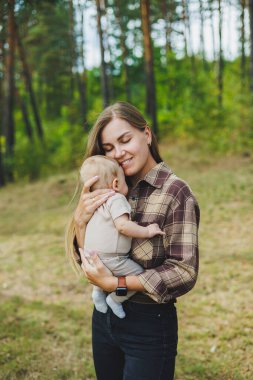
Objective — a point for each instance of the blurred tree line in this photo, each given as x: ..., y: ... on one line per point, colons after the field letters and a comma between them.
x: 49, y: 98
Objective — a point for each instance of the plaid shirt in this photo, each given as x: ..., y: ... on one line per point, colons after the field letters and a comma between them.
x: 170, y: 261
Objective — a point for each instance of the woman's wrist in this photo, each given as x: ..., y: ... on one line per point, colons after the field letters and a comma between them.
x: 132, y: 282
x: 111, y: 285
x: 79, y: 234
x: 80, y: 224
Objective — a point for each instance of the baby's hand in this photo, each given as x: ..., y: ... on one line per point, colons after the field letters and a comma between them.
x: 154, y: 229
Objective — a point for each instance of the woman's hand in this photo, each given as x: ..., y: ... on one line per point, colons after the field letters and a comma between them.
x: 97, y: 273
x: 89, y: 202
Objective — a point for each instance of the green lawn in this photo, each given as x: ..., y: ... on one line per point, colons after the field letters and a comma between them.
x: 46, y: 310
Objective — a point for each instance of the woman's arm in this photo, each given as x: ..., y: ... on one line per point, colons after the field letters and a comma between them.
x: 98, y: 274
x: 88, y: 203
x: 178, y: 273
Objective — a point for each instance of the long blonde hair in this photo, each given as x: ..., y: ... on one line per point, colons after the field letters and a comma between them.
x: 119, y: 110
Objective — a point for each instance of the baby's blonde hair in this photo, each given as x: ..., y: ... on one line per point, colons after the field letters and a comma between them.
x: 107, y: 169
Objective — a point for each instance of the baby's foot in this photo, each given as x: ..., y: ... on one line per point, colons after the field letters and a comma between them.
x: 99, y: 300
x: 101, y: 307
x: 116, y: 307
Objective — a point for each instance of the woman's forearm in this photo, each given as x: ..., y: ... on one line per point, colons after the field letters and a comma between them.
x: 80, y: 233
x: 132, y: 282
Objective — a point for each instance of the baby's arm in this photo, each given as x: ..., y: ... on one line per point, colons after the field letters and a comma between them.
x: 128, y: 228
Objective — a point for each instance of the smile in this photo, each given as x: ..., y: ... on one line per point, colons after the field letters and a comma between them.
x: 126, y: 162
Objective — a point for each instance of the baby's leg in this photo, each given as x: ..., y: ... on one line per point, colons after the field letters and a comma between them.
x: 99, y: 299
x: 115, y: 303
x: 115, y: 306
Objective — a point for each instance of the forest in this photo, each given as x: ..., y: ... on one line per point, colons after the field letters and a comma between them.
x: 188, y: 66
x: 50, y: 93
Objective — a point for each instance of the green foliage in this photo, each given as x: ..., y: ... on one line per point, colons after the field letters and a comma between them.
x: 62, y: 150
x: 48, y: 44
x: 186, y: 88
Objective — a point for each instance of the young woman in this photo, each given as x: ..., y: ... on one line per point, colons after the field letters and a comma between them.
x: 143, y: 345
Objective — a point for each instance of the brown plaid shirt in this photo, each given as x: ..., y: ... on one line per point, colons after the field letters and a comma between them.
x: 170, y: 261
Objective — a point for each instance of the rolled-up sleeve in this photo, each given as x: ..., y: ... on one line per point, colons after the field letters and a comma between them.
x: 178, y: 273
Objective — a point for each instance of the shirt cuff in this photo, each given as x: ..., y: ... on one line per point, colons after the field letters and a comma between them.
x: 154, y: 286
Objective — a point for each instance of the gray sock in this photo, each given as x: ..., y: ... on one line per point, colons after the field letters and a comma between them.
x: 116, y: 307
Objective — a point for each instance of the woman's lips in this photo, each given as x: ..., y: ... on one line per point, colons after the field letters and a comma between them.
x: 125, y: 162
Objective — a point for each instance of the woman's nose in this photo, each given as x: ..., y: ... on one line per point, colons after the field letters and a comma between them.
x: 119, y: 152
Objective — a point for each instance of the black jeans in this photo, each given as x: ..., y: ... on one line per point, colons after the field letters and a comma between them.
x: 141, y: 346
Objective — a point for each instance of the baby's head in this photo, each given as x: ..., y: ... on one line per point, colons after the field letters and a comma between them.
x: 111, y: 175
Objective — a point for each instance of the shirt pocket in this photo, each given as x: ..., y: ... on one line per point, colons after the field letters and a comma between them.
x: 142, y: 251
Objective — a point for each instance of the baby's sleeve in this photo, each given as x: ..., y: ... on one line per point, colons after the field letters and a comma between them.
x: 118, y: 205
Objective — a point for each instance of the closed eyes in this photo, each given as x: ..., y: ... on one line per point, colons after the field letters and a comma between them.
x: 109, y: 149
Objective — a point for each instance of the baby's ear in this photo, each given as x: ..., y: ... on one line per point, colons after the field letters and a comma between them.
x: 115, y: 184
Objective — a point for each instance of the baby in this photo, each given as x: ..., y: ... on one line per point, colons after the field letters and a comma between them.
x: 110, y: 230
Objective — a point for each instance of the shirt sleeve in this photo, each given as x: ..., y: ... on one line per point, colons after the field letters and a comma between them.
x: 118, y: 205
x: 178, y: 273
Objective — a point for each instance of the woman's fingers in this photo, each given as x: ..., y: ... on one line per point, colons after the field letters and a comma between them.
x: 94, y: 199
x: 85, y: 258
x: 87, y: 185
x: 100, y: 199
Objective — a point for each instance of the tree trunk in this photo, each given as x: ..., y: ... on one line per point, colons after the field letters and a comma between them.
x: 109, y: 64
x: 149, y: 65
x: 202, y: 37
x: 28, y: 126
x: 8, y: 119
x: 221, y: 64
x: 72, y: 48
x: 184, y: 16
x: 251, y: 44
x: 210, y: 6
x: 124, y: 50
x: 82, y: 79
x: 28, y: 81
x: 187, y: 29
x: 9, y: 96
x: 104, y: 78
x: 243, y: 58
x: 167, y: 27
x: 2, y: 43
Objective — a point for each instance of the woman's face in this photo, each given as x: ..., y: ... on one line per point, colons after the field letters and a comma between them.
x: 129, y: 146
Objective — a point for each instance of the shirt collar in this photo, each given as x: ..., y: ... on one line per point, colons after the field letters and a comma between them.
x: 158, y: 175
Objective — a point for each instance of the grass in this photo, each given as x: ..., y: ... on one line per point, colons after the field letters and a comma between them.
x: 45, y: 310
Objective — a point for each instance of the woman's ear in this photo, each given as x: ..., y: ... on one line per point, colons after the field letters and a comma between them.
x: 148, y: 134
x: 115, y: 184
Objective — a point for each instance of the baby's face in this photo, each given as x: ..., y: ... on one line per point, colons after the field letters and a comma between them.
x: 123, y: 188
